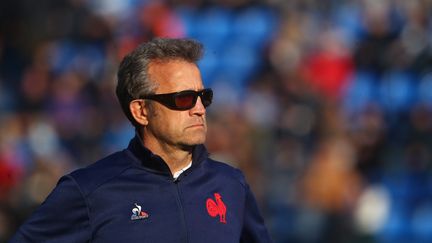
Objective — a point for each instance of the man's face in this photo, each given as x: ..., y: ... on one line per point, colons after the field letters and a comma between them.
x: 181, y: 129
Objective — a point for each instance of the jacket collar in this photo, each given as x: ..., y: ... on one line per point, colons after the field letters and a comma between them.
x: 154, y: 162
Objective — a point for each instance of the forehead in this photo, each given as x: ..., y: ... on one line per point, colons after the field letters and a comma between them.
x: 175, y: 75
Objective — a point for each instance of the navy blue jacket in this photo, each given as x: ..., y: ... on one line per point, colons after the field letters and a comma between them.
x: 131, y: 196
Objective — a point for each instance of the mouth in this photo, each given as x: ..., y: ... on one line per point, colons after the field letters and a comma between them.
x: 196, y: 126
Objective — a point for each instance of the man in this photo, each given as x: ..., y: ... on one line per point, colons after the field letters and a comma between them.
x: 163, y: 187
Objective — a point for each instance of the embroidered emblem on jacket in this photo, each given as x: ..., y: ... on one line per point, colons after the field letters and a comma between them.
x: 215, y: 208
x: 138, y: 214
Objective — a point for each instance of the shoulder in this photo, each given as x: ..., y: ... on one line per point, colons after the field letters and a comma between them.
x: 226, y: 170
x: 102, y: 171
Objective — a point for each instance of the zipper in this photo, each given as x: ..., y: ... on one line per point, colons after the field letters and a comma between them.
x: 185, y: 236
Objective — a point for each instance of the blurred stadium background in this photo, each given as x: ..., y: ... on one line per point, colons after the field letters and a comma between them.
x: 326, y: 105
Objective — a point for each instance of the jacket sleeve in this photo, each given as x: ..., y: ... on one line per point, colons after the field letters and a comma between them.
x: 254, y: 230
x: 62, y: 217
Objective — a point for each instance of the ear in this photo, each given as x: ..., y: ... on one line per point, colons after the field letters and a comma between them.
x: 139, y: 111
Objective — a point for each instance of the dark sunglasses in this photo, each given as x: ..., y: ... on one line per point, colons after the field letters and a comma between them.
x: 183, y: 100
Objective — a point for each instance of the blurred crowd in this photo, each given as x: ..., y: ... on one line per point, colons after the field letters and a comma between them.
x: 325, y: 105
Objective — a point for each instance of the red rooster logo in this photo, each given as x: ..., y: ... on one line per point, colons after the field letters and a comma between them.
x: 217, y: 208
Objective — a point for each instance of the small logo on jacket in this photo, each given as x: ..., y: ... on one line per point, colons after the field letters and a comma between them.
x: 215, y: 208
x: 138, y: 214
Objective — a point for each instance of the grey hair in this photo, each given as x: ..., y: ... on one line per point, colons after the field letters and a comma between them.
x: 133, y: 80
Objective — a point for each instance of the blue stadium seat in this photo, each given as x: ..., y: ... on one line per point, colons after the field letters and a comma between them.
x: 209, y: 66
x: 360, y: 92
x: 396, y: 229
x: 424, y: 91
x: 254, y: 26
x: 397, y: 91
x: 237, y: 63
x: 421, y: 223
x: 348, y: 18
x: 212, y: 26
x: 187, y: 17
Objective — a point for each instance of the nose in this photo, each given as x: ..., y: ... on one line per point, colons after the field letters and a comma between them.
x: 198, y: 109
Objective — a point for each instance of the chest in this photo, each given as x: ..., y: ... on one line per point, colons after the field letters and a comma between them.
x: 143, y: 209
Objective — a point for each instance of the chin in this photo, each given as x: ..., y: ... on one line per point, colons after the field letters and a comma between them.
x: 193, y: 142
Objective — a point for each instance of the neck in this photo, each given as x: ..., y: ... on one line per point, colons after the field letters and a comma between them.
x: 175, y: 157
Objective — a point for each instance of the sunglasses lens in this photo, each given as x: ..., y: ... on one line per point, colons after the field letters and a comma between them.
x: 207, y: 97
x: 185, y: 101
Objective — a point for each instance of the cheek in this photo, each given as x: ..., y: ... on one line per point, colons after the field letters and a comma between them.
x: 175, y: 122
x: 161, y: 121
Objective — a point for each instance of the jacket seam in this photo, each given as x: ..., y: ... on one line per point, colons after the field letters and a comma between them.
x: 107, y: 180
x: 86, y: 203
x: 237, y: 175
